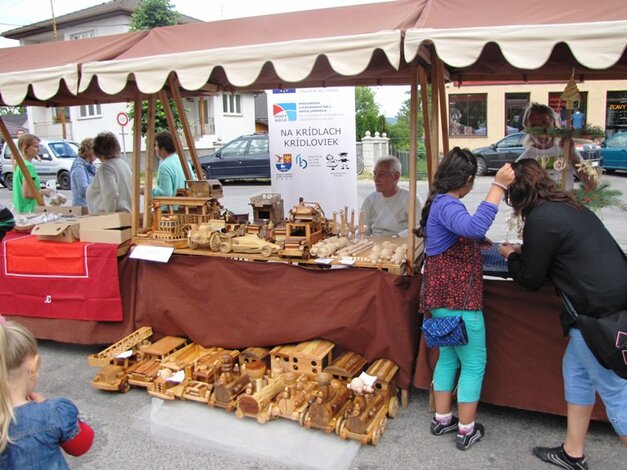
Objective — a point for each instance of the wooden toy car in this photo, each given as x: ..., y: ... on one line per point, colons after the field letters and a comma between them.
x: 259, y: 393
x: 346, y: 366
x: 116, y: 359
x: 248, y: 243
x: 143, y: 372
x: 365, y: 419
x: 206, y: 234
x: 299, y: 391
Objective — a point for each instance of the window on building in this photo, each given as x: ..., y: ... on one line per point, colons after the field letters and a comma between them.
x: 83, y: 35
x: 616, y: 112
x: 231, y: 104
x: 515, y: 104
x: 468, y: 114
x: 90, y: 110
x: 578, y: 114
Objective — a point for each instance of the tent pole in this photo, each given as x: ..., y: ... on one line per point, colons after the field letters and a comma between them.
x: 413, y: 138
x: 163, y: 97
x: 17, y: 156
x: 174, y: 89
x: 137, y: 148
x: 422, y: 77
x: 150, y: 150
x: 435, y: 103
x: 443, y: 104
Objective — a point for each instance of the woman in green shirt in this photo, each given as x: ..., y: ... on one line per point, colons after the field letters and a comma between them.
x: 23, y: 196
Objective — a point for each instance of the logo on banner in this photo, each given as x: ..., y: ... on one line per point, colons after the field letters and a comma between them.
x: 301, y: 161
x: 283, y: 162
x: 276, y: 91
x: 284, y: 112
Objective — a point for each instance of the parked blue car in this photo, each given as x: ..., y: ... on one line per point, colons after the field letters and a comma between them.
x: 614, y: 152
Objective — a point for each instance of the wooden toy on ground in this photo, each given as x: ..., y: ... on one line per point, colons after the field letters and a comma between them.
x: 259, y: 393
x: 116, y: 359
x: 348, y: 365
x: 206, y: 370
x: 144, y: 371
x: 365, y: 419
x: 332, y: 398
x: 176, y: 370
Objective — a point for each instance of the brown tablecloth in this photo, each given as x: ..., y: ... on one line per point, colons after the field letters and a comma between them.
x: 525, y: 348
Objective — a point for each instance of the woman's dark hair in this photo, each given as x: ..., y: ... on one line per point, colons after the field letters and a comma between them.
x: 165, y: 141
x: 533, y: 186
x: 106, y: 146
x: 457, y: 168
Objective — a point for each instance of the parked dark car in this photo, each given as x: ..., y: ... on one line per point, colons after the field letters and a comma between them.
x: 614, y: 152
x: 508, y: 149
x: 247, y: 157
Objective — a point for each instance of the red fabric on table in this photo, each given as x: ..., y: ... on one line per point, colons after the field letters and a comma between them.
x: 77, y: 281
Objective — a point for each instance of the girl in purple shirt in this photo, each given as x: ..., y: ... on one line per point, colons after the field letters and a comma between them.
x: 452, y: 285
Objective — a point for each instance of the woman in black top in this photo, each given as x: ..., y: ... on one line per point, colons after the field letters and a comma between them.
x: 567, y: 244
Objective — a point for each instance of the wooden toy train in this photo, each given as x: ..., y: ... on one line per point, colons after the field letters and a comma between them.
x: 300, y: 382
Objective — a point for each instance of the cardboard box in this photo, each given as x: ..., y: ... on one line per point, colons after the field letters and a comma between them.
x: 62, y: 210
x: 106, y: 235
x: 57, y: 231
x: 106, y: 221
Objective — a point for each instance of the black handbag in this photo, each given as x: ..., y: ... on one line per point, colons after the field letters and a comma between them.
x: 606, y: 337
x: 446, y: 331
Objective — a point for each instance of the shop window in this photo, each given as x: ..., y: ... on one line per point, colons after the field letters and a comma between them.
x: 579, y: 113
x: 616, y: 112
x: 90, y: 110
x: 515, y: 104
x: 231, y: 104
x: 468, y: 114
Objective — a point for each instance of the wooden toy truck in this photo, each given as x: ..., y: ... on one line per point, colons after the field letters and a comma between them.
x: 115, y: 360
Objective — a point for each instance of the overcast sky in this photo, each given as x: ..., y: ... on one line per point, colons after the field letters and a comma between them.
x: 17, y: 13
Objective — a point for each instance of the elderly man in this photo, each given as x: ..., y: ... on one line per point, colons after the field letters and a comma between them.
x: 386, y: 210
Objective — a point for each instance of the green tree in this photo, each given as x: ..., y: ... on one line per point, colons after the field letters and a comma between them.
x: 153, y: 14
x: 367, y: 114
x: 399, y: 132
x: 7, y: 110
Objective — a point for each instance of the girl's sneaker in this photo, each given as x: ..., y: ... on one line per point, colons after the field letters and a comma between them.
x: 437, y: 428
x: 464, y: 441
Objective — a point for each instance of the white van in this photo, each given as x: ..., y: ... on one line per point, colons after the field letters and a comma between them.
x: 56, y: 157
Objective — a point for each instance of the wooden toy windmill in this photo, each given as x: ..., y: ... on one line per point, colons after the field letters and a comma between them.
x: 572, y: 97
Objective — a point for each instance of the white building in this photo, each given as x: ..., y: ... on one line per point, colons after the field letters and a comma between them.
x: 214, y: 120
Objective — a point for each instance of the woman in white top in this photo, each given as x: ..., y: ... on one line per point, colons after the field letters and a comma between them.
x: 110, y: 191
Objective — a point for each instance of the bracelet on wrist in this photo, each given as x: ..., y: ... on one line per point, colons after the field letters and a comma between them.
x: 499, y: 185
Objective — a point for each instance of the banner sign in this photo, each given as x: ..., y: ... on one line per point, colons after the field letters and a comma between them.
x: 312, y: 146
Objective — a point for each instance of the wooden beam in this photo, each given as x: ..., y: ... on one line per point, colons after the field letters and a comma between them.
x: 413, y: 141
x: 137, y: 148
x: 443, y: 105
x: 422, y: 78
x: 187, y: 132
x: 433, y: 111
x: 169, y: 115
x: 150, y: 150
x: 17, y: 156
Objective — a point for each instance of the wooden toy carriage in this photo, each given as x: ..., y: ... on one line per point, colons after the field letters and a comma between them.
x: 205, y: 372
x: 144, y: 371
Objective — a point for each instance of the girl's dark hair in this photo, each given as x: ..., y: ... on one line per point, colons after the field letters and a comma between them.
x: 533, y: 186
x: 106, y: 146
x: 457, y: 168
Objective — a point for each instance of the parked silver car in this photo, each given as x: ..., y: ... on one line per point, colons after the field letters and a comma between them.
x: 56, y: 160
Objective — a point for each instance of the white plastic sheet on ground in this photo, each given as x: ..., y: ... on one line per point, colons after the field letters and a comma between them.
x: 281, y: 440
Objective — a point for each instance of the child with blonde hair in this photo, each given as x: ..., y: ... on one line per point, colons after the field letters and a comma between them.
x: 33, y: 430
